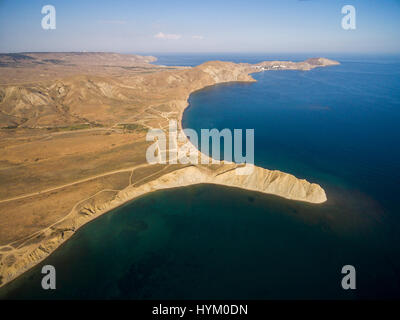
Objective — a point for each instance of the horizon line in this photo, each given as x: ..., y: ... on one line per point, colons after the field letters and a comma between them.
x: 205, y: 52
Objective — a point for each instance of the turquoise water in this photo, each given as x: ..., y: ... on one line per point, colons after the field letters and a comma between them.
x: 336, y: 126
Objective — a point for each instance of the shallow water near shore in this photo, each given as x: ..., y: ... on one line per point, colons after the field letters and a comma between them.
x: 335, y: 126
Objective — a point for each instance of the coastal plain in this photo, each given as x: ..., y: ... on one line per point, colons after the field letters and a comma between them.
x: 73, y: 142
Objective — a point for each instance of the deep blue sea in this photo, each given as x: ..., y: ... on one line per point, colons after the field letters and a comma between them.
x: 336, y: 126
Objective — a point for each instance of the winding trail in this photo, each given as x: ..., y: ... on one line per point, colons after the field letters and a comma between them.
x: 73, y: 183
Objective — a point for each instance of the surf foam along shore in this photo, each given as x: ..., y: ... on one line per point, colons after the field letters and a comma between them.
x: 21, y: 255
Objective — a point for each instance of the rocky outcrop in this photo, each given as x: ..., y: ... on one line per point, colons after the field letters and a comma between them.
x: 261, y: 180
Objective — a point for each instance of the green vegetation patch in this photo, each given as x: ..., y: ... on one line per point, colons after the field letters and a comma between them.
x: 132, y: 127
x: 79, y: 126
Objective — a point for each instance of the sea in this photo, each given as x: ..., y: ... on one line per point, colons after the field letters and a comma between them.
x: 337, y: 126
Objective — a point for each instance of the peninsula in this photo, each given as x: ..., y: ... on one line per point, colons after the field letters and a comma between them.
x: 72, y: 141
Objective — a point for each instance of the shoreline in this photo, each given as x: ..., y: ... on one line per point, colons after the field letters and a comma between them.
x: 57, y: 234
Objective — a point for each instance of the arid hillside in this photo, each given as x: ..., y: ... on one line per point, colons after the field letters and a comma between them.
x: 33, y: 67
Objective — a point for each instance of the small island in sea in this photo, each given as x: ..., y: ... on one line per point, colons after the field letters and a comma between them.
x: 73, y: 139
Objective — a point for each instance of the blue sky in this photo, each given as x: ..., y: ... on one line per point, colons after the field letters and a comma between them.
x: 201, y: 26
